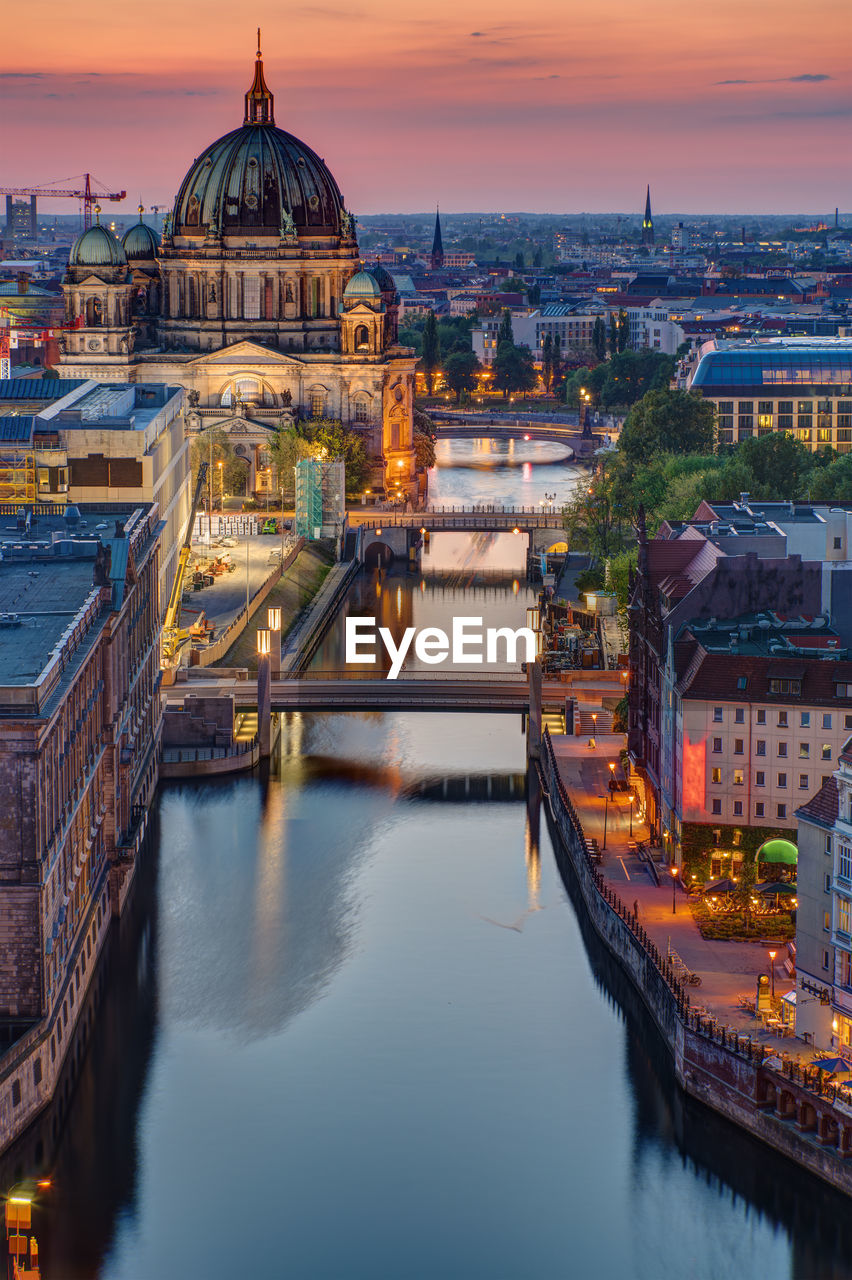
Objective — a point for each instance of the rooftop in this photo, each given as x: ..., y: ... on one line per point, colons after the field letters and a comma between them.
x: 796, y: 362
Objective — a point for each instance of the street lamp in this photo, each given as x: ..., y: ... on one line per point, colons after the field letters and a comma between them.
x: 220, y: 465
x: 606, y: 814
x: 611, y: 777
x: 674, y: 871
x: 772, y: 956
x: 594, y: 728
x: 631, y: 798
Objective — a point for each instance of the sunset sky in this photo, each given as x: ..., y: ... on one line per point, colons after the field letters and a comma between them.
x: 742, y: 106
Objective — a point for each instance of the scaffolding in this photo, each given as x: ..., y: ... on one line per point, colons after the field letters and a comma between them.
x: 320, y: 498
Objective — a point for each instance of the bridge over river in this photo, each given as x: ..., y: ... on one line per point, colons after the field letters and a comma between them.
x: 562, y: 430
x: 356, y: 690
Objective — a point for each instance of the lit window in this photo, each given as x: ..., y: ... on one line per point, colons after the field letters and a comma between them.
x: 826, y: 751
x: 716, y: 775
x: 738, y: 778
x: 804, y: 750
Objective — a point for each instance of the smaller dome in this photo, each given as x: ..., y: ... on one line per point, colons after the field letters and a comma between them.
x: 141, y: 242
x: 96, y: 247
x: 383, y: 278
x: 362, y: 285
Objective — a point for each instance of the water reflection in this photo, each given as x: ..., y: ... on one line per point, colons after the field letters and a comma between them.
x: 506, y: 472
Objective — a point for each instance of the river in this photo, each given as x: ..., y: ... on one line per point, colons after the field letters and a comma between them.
x: 354, y: 1026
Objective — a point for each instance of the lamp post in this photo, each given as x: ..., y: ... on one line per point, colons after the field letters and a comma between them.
x: 264, y: 692
x: 631, y: 798
x: 273, y: 622
x: 772, y: 956
x: 606, y: 814
x: 674, y: 871
x: 612, y: 777
x: 594, y: 728
x: 220, y: 465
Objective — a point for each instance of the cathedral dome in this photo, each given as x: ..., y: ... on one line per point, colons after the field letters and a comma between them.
x: 257, y: 179
x: 363, y: 285
x: 383, y: 278
x: 141, y: 242
x: 96, y: 247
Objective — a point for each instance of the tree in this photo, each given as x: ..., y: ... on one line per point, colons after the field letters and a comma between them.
x: 557, y: 375
x: 547, y: 362
x: 832, y: 483
x: 780, y: 465
x: 287, y: 447
x: 513, y: 285
x: 538, y: 257
x: 460, y: 370
x: 519, y: 262
x: 623, y: 330
x: 613, y: 334
x: 514, y: 369
x: 599, y: 338
x: 667, y: 422
x: 430, y: 359
x: 595, y: 517
x: 505, y: 333
x: 424, y: 450
x: 329, y: 439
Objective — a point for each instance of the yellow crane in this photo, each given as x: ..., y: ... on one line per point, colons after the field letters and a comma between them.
x: 173, y: 636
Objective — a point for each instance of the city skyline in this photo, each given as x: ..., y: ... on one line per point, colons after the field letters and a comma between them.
x: 461, y: 106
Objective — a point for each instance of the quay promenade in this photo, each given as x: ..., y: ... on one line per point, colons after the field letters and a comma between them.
x: 749, y: 1077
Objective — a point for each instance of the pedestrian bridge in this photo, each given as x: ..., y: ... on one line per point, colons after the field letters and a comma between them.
x: 507, y: 427
x: 479, y: 519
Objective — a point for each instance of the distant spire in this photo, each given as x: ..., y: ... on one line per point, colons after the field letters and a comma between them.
x: 437, y: 244
x: 648, y: 221
x: 141, y: 210
x: 259, y: 101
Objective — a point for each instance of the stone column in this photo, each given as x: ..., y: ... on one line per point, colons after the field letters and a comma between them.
x: 534, y: 730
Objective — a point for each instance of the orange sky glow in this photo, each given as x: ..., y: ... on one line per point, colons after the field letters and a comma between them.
x: 745, y: 106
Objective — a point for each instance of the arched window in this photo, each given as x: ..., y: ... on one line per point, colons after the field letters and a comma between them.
x: 94, y: 313
x: 317, y: 400
x: 248, y: 388
x: 362, y: 409
x: 362, y: 338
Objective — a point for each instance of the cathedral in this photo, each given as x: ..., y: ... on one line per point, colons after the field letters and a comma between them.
x: 254, y: 302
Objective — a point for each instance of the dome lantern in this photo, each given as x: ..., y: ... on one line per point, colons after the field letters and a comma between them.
x: 259, y: 99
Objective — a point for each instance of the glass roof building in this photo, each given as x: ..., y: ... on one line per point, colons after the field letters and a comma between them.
x: 800, y: 385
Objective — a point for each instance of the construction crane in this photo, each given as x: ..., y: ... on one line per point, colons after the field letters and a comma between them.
x: 85, y: 193
x: 173, y: 637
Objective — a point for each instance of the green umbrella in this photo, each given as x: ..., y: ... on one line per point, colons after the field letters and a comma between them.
x: 779, y: 887
x: 777, y: 850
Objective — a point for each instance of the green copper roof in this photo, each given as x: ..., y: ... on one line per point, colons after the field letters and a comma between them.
x: 96, y: 247
x: 362, y: 285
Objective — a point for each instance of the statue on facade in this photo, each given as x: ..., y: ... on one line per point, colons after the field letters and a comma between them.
x: 347, y: 225
x: 167, y: 226
x: 192, y: 397
x: 286, y: 399
x: 288, y: 296
x: 288, y: 227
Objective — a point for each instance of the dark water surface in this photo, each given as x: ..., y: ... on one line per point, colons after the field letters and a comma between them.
x: 354, y: 1026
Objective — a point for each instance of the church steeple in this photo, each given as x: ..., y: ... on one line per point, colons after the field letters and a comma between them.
x: 437, y: 244
x: 259, y: 100
x: 648, y: 221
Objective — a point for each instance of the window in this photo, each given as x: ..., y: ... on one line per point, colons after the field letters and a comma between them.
x: 760, y: 717
x: 717, y: 715
x: 739, y: 715
x: 828, y: 844
x: 826, y: 924
x: 716, y: 775
x: 847, y: 722
x: 804, y: 750
x: 845, y: 969
x: 782, y: 719
x: 738, y: 808
x: 738, y: 777
x: 782, y: 750
x: 803, y: 782
x: 781, y: 811
x: 826, y: 721
x: 716, y: 806
x: 742, y: 682
x: 805, y: 719
x: 739, y: 746
x: 758, y: 809
x: 16, y: 1093
x: 827, y: 884
x: 844, y: 862
x: 825, y: 959
x: 251, y: 297
x: 784, y: 686
x: 826, y: 751
x: 717, y: 746
x: 844, y: 915
x: 317, y: 404
x: 760, y: 778
x: 782, y: 780
x: 760, y: 748
x: 838, y: 544
x: 362, y: 413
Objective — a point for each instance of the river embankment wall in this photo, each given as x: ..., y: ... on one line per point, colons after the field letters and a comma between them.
x: 792, y: 1109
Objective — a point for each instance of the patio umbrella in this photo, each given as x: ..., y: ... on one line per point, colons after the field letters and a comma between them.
x: 720, y: 887
x: 834, y: 1066
x: 777, y: 850
x: 779, y: 888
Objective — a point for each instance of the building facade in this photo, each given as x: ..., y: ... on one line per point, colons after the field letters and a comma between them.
x: 801, y: 386
x: 249, y: 302
x: 79, y: 745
